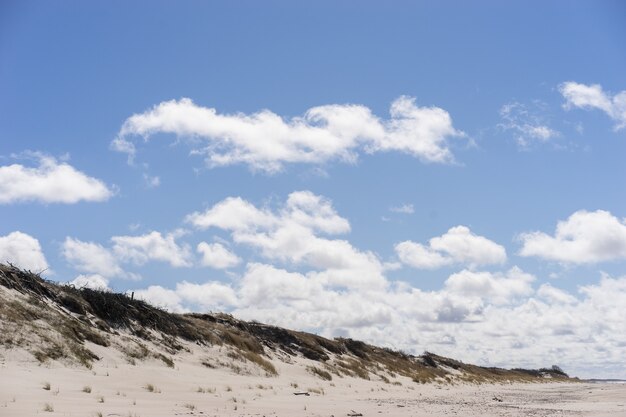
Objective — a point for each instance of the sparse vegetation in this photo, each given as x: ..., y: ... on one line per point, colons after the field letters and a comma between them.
x: 48, y: 407
x: 46, y: 386
x: 319, y: 372
x: 87, y: 389
x: 151, y: 388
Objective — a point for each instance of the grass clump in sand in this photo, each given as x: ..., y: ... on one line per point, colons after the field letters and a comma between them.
x: 47, y: 407
x: 320, y: 373
x: 87, y: 389
x: 152, y: 388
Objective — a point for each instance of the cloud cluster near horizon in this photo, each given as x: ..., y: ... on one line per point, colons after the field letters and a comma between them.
x: 265, y: 141
x: 308, y: 277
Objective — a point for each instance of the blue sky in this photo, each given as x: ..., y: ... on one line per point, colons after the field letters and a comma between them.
x: 394, y: 173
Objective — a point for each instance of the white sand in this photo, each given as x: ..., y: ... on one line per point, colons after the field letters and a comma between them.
x: 118, y: 388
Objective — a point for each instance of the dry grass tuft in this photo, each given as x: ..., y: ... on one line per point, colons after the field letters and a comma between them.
x: 319, y: 372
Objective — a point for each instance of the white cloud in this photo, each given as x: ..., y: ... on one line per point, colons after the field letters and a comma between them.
x: 498, y: 288
x: 23, y: 251
x: 457, y: 246
x: 209, y: 296
x: 266, y: 141
x: 290, y: 234
x: 215, y: 255
x: 50, y: 181
x: 152, y: 247
x: 555, y: 295
x: 91, y: 258
x: 585, y: 237
x: 404, y: 209
x: 420, y: 256
x: 94, y: 281
x: 327, y: 286
x: 594, y: 97
x: 527, y: 124
x: 233, y: 214
x: 488, y: 318
x: 161, y: 297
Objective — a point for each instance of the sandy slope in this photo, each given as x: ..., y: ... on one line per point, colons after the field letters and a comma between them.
x: 118, y: 388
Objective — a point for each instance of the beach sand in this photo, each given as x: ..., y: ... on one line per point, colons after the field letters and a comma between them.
x: 149, y: 388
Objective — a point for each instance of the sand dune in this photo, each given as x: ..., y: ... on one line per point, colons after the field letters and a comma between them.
x: 68, y: 352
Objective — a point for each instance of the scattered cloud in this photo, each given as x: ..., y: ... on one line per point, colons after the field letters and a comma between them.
x: 23, y: 251
x: 457, y: 246
x: 496, y: 319
x: 50, y: 181
x: 91, y: 258
x: 592, y: 96
x: 527, y: 123
x: 215, y: 255
x: 161, y: 297
x: 404, y: 209
x: 265, y: 141
x: 152, y: 246
x: 93, y: 281
x: 495, y: 287
x: 209, y: 296
x: 293, y: 234
x: 585, y: 237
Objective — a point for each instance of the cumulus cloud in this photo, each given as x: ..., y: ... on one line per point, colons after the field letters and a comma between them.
x: 266, y: 141
x: 585, y: 237
x: 555, y: 295
x: 161, y: 297
x: 152, y: 246
x: 91, y: 258
x: 457, y: 246
x: 23, y: 251
x: 526, y: 123
x: 592, y: 96
x: 208, y: 296
x: 94, y: 281
x: 495, y: 319
x: 291, y: 234
x: 215, y: 255
x: 495, y: 287
x: 328, y: 286
x: 50, y: 181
